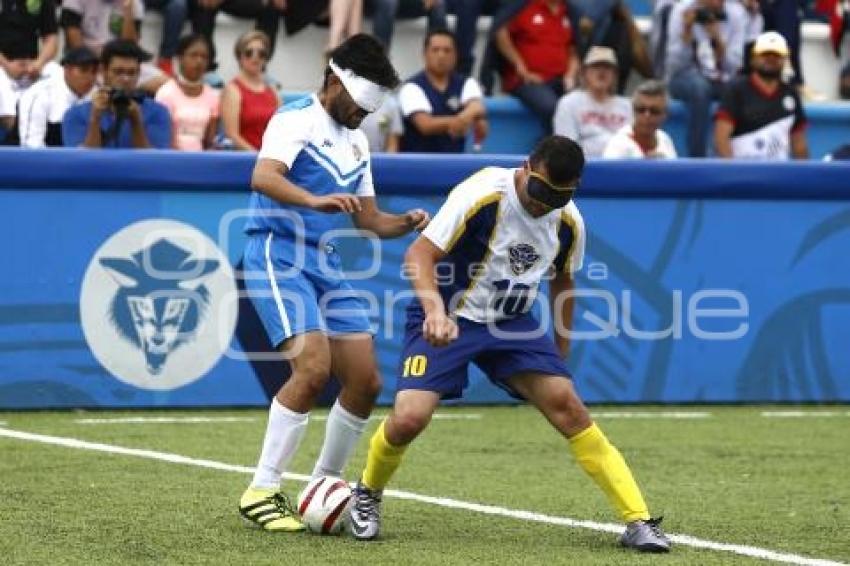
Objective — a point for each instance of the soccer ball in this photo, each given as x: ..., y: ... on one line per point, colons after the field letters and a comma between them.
x: 323, y: 504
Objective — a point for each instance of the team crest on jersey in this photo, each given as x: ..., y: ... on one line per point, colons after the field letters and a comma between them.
x: 453, y: 103
x: 156, y: 304
x: 523, y: 257
x: 358, y: 153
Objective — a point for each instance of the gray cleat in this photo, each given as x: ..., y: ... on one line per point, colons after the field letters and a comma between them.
x: 364, y: 518
x: 646, y: 536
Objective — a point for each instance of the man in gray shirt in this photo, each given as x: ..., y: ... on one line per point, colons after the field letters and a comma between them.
x: 705, y: 48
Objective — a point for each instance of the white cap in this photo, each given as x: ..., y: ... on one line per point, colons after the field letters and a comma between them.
x: 770, y: 42
x: 598, y: 55
x: 366, y: 94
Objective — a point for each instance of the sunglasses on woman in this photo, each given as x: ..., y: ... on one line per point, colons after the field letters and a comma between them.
x: 250, y: 53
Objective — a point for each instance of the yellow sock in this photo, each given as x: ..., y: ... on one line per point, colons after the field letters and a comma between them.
x: 604, y: 463
x: 383, y: 460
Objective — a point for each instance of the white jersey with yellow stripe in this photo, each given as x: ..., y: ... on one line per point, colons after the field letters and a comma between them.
x: 497, y: 252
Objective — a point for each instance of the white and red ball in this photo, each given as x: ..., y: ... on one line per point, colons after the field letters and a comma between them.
x: 323, y: 504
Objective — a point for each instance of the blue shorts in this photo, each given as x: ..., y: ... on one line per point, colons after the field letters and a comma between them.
x: 520, y: 347
x: 298, y: 290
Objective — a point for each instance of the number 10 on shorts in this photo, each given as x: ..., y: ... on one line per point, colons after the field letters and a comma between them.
x: 414, y: 366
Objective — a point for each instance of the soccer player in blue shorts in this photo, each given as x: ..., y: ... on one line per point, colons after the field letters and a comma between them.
x: 312, y: 169
x: 500, y: 232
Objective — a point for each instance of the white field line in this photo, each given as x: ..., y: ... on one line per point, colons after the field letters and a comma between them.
x: 435, y: 416
x: 803, y: 414
x: 651, y: 415
x: 201, y: 420
x: 686, y: 540
x: 165, y: 420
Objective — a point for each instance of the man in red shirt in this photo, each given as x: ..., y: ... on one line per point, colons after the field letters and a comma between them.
x: 541, y: 59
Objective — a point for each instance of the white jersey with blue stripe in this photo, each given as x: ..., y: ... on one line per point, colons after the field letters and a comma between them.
x: 322, y: 157
x: 496, y: 252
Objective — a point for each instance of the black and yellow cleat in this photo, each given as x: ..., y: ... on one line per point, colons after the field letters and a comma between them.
x: 269, y: 510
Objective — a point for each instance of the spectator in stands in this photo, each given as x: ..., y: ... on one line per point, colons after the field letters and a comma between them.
x: 28, y: 44
x: 346, y: 19
x: 174, y: 13
x: 193, y: 105
x: 385, y: 12
x: 119, y: 115
x: 761, y: 117
x: 644, y: 138
x: 93, y: 23
x: 248, y: 102
x: 705, y: 48
x: 28, y: 38
x: 438, y: 104
x: 266, y: 13
x: 43, y: 106
x: 536, y: 40
x: 609, y: 23
x: 384, y: 128
x: 591, y: 115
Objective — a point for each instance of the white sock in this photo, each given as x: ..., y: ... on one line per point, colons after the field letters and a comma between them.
x: 283, y: 435
x: 342, y: 432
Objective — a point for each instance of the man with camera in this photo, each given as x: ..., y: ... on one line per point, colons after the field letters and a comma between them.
x: 119, y: 115
x: 705, y: 49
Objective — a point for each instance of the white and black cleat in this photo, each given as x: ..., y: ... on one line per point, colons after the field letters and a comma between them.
x: 646, y: 536
x: 364, y: 517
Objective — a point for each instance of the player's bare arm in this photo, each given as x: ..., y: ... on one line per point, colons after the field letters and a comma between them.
x: 268, y: 178
x: 386, y: 225
x: 421, y: 260
x: 562, y: 302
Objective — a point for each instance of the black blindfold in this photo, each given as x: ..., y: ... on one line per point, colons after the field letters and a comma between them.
x: 541, y: 190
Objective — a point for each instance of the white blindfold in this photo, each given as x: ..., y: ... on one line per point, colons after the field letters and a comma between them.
x: 366, y: 94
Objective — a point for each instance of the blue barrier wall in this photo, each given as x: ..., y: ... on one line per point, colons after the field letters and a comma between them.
x: 706, y: 249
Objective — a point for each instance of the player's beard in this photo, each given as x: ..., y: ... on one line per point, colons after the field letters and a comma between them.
x: 337, y: 112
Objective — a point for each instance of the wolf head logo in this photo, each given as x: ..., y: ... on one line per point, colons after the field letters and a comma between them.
x: 522, y: 257
x: 161, y: 301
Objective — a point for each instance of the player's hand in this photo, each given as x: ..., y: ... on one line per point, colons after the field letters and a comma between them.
x: 417, y: 219
x: 336, y: 202
x: 439, y: 330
